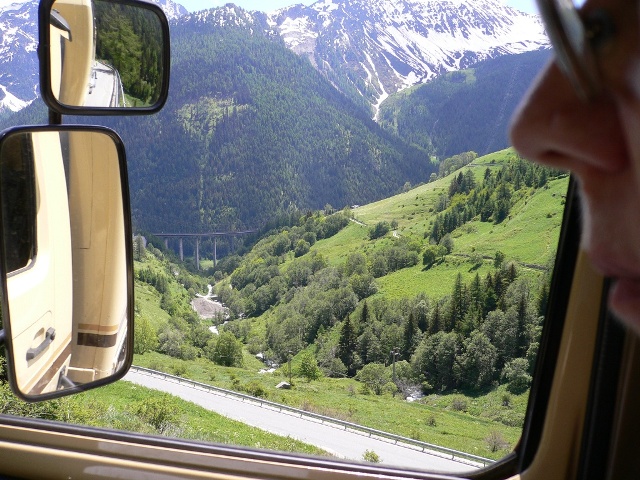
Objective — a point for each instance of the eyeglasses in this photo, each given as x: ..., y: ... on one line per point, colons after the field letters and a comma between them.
x: 574, y: 38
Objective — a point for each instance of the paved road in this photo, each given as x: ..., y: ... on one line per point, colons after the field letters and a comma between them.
x: 104, y: 91
x: 341, y: 443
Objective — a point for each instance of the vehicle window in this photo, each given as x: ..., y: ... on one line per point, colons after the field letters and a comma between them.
x: 417, y: 318
x: 400, y: 325
x: 18, y: 203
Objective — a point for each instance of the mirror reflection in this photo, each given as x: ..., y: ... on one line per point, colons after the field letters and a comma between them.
x: 63, y: 226
x: 105, y: 54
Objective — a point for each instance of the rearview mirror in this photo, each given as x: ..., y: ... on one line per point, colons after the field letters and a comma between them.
x: 65, y: 259
x: 101, y: 57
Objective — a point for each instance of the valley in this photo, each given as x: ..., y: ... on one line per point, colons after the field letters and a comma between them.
x: 474, y: 404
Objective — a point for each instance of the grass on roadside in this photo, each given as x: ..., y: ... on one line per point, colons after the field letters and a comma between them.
x: 488, y: 425
x: 129, y: 407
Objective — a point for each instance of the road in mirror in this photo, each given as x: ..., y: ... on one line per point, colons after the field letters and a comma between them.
x: 105, y: 54
x: 65, y: 256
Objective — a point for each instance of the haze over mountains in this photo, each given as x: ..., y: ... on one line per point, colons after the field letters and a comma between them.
x: 370, y: 47
x: 268, y: 113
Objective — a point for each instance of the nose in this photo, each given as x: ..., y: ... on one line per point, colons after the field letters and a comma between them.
x: 554, y: 127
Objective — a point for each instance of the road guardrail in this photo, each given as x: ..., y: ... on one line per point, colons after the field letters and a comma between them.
x: 354, y: 427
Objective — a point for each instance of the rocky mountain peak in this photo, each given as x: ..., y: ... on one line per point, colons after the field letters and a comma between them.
x: 393, y: 44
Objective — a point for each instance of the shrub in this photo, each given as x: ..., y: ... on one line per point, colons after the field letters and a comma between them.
x: 255, y: 389
x: 459, y: 404
x: 380, y: 230
x: 447, y: 243
x: 302, y: 248
x: 145, y: 339
x: 179, y: 369
x: 517, y: 376
x: 225, y: 350
x: 496, y: 442
x: 376, y: 377
x: 432, y: 255
x: 335, y: 369
x: 429, y: 257
x: 309, y: 367
x: 476, y: 259
x: 158, y: 411
x: 371, y: 456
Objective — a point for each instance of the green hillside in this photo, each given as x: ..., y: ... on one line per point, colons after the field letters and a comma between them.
x: 336, y: 292
x: 301, y: 280
x: 463, y: 110
x: 252, y: 131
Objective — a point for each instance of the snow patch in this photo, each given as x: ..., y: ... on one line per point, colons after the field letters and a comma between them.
x: 406, y: 42
x: 12, y: 102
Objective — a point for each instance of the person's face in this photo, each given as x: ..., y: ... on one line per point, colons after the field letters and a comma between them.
x: 598, y: 139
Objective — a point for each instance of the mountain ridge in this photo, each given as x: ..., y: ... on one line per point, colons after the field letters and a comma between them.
x: 18, y: 59
x: 251, y: 132
x: 368, y: 50
x: 389, y: 45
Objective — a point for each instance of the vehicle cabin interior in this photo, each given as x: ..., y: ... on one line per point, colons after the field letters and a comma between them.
x: 71, y: 183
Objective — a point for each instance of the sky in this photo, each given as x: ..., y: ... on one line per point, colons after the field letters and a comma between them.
x: 269, y: 5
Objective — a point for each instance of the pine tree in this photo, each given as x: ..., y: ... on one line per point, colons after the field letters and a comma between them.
x: 347, y: 346
x: 437, y: 321
x: 410, y: 337
x: 458, y: 306
x: 422, y: 318
x: 364, y: 315
x: 543, y: 300
x: 522, y: 342
x: 476, y: 293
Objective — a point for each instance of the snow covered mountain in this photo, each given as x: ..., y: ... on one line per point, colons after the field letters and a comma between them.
x: 171, y: 9
x: 370, y: 48
x: 384, y: 46
x: 18, y: 51
x: 18, y: 57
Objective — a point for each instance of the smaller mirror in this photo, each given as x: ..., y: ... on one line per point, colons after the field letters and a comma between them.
x: 101, y: 57
x: 66, y: 259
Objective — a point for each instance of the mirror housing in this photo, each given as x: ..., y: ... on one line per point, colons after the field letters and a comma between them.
x: 65, y: 259
x: 86, y: 68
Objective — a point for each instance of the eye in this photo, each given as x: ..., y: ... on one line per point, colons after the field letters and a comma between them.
x: 599, y: 27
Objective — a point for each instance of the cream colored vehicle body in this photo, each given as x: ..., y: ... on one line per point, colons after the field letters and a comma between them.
x: 69, y: 304
x: 72, y: 52
x: 99, y: 258
x: 41, y: 293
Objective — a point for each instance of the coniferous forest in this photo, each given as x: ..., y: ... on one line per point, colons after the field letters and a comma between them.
x: 252, y: 131
x: 130, y: 40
